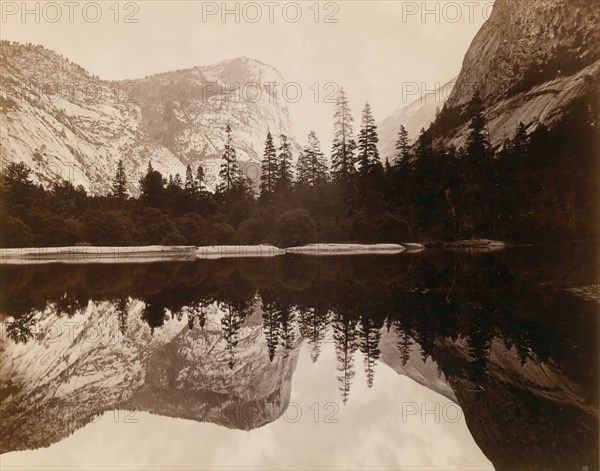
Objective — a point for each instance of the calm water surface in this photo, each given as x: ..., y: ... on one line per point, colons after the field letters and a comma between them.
x: 436, y: 360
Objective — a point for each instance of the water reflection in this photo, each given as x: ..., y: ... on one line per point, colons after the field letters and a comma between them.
x: 219, y: 341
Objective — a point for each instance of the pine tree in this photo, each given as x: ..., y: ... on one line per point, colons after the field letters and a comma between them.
x: 287, y: 318
x: 344, y: 336
x: 476, y: 173
x: 404, y: 344
x: 151, y: 185
x: 230, y: 173
x: 269, y: 170
x: 271, y: 322
x: 119, y: 186
x: 18, y: 174
x: 342, y: 154
x: 284, y: 164
x: 231, y: 323
x: 200, y: 179
x: 313, y: 324
x: 303, y: 168
x: 478, y: 146
x: 191, y: 187
x: 402, y: 146
x: 424, y: 147
x: 370, y: 336
x: 403, y: 167
x: 520, y: 143
x: 368, y: 154
x: 177, y: 181
x: 311, y: 166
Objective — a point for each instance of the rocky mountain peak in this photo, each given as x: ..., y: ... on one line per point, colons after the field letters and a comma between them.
x: 243, y: 70
x: 67, y: 123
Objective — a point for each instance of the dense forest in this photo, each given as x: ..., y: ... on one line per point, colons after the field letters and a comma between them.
x: 540, y: 185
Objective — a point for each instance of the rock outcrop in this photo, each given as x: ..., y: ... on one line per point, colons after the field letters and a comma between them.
x: 530, y: 60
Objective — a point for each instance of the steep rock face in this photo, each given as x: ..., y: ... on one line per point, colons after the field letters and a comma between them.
x: 531, y: 415
x: 415, y: 116
x: 530, y: 59
x: 78, y: 368
x: 176, y: 105
x: 187, y: 111
x: 66, y: 123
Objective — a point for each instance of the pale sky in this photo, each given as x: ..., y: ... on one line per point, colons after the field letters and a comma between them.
x: 374, y: 50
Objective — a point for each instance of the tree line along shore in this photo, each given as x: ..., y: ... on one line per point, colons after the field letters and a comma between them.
x: 539, y: 186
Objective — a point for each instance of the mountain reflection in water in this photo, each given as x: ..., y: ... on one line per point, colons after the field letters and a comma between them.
x: 498, y: 334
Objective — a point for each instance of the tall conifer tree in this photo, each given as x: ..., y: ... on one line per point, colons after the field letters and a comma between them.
x: 311, y: 166
x: 368, y: 154
x: 342, y: 154
x: 269, y: 169
x: 230, y: 173
x: 284, y: 164
x: 119, y: 185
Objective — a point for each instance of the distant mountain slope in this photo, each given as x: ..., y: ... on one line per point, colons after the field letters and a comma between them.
x: 175, y: 105
x: 530, y: 60
x: 415, y: 116
x: 64, y: 122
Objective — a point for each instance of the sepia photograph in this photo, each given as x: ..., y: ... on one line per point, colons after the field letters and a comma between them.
x: 300, y: 235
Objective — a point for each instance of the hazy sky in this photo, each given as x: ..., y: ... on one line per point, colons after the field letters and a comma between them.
x: 376, y: 50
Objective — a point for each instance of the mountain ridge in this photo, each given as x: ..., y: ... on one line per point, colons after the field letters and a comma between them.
x: 67, y: 123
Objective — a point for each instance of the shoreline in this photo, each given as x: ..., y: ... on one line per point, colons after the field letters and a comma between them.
x: 161, y: 253
x: 89, y: 254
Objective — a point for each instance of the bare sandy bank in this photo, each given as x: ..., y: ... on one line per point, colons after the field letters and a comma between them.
x: 346, y: 249
x: 159, y: 253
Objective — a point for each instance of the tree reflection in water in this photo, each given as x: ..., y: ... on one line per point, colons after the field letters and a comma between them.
x: 455, y: 308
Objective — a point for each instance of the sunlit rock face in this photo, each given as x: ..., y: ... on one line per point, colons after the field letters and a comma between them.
x: 530, y: 60
x: 67, y: 123
x: 76, y: 368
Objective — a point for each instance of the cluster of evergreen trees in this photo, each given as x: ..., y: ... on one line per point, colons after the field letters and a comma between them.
x: 540, y: 185
x: 349, y: 157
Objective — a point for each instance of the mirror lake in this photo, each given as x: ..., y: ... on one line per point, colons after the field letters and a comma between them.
x: 435, y: 360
